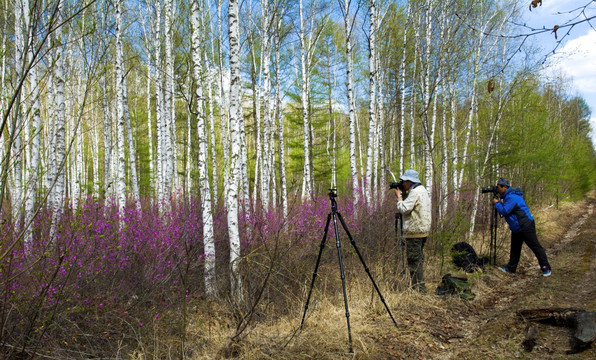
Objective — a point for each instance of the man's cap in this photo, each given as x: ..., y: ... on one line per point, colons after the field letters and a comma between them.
x: 503, y: 182
x: 411, y: 175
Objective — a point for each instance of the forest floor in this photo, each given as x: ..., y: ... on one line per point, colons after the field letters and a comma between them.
x: 447, y: 327
x: 488, y: 327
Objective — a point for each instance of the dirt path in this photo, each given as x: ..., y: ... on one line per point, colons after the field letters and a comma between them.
x: 494, y: 331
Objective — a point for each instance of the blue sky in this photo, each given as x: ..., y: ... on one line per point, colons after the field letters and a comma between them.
x: 576, y: 56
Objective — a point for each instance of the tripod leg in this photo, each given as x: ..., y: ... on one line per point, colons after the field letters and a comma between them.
x: 343, y: 224
x: 343, y: 280
x: 493, y: 236
x: 314, y: 274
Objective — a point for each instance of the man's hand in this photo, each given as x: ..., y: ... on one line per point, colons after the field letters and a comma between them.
x: 398, y: 194
x: 495, y: 200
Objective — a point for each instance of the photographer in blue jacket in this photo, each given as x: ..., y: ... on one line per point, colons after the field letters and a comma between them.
x: 521, y: 222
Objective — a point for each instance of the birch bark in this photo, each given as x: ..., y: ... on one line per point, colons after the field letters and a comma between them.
x: 235, y: 113
x: 57, y: 174
x: 17, y: 125
x: 279, y: 117
x: 372, y: 93
x: 348, y: 26
x: 35, y: 145
x: 307, y: 187
x: 204, y: 186
x: 121, y: 172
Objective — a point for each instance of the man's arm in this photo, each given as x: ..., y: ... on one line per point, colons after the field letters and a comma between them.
x: 406, y: 206
x: 506, y: 207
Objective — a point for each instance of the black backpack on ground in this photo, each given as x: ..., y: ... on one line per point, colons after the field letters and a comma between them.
x: 464, y: 257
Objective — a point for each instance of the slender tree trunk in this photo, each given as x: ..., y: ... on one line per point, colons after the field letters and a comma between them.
x: 280, y: 122
x: 267, y: 18
x: 18, y: 123
x: 417, y: 26
x: 233, y: 177
x: 150, y: 126
x: 132, y: 157
x: 95, y: 155
x: 307, y: 189
x: 188, y: 180
x: 121, y: 194
x: 35, y: 147
x: 351, y: 103
x: 372, y: 93
x: 57, y: 172
x: 160, y: 179
x: 402, y: 124
x: 169, y: 121
x: 214, y: 166
x: 204, y: 186
x: 428, y: 127
x: 223, y: 104
x: 107, y: 140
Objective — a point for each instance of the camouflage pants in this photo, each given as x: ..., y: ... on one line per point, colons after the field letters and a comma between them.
x: 415, y: 251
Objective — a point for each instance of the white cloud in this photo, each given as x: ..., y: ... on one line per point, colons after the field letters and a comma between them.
x: 577, y: 59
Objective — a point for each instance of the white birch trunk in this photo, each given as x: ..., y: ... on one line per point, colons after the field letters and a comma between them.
x: 188, y: 167
x: 235, y: 113
x: 402, y: 125
x: 222, y: 103
x: 204, y: 186
x: 160, y: 179
x: 307, y: 187
x: 121, y: 172
x: 417, y: 25
x: 428, y: 127
x: 17, y: 144
x: 351, y: 103
x: 150, y: 125
x: 372, y: 92
x: 266, y: 16
x: 170, y: 164
x: 132, y: 156
x: 95, y: 155
x: 35, y: 149
x: 107, y: 140
x: 56, y: 172
x: 214, y: 167
x: 280, y: 122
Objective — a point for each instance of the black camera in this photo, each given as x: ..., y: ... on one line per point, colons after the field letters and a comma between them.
x: 489, y: 189
x: 397, y: 185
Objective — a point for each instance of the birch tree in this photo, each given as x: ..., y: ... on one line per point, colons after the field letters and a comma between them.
x: 56, y: 179
x: 121, y: 171
x: 16, y: 152
x: 372, y: 99
x: 345, y: 6
x: 235, y: 113
x: 35, y: 142
x: 204, y: 186
x: 279, y: 119
x: 307, y: 186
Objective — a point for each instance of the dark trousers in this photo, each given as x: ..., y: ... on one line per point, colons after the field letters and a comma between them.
x: 415, y: 253
x: 528, y: 236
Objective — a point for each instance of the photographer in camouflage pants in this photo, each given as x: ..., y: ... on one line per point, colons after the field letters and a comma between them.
x: 414, y: 206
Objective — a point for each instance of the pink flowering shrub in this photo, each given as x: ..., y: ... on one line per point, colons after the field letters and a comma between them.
x: 109, y: 279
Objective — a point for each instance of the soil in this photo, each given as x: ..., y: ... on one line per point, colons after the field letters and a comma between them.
x: 489, y: 327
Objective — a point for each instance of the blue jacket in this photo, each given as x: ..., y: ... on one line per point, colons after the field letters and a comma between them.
x: 514, y: 209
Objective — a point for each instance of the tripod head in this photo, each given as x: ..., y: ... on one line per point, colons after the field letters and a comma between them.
x: 332, y: 196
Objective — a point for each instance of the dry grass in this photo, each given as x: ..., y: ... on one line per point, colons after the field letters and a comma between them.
x: 428, y: 326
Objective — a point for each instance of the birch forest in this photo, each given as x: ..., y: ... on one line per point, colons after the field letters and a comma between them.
x: 166, y: 161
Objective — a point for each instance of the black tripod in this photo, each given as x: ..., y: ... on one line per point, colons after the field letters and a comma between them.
x: 335, y: 214
x: 493, y: 236
x: 399, y: 235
